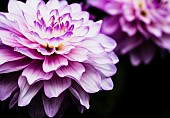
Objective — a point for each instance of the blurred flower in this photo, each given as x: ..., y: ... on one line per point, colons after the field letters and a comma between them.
x: 138, y: 26
x: 53, y: 46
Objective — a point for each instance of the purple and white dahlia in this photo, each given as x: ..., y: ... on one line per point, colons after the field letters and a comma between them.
x: 52, y: 47
x: 138, y: 26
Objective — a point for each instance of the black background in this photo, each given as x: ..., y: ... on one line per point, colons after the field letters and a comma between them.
x: 138, y: 92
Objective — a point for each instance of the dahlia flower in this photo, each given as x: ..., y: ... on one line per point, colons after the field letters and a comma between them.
x: 138, y: 26
x: 52, y: 47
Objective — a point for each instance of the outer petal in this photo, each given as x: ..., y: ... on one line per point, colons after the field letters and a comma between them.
x: 92, y: 46
x: 7, y: 86
x: 90, y: 80
x: 107, y: 84
x: 14, y: 65
x: 34, y: 72
x: 27, y: 92
x: 94, y: 28
x: 73, y: 70
x: 52, y: 105
x: 80, y: 94
x: 53, y: 62
x: 7, y: 54
x: 107, y: 42
x: 55, y: 86
x: 7, y: 39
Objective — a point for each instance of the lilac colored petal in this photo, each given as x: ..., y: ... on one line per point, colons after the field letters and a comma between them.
x: 9, y: 25
x: 53, y: 62
x: 7, y: 39
x: 107, y: 42
x: 154, y: 29
x: 97, y: 58
x: 7, y: 54
x: 128, y: 27
x: 94, y: 28
x: 31, y: 53
x: 107, y: 69
x: 7, y: 86
x: 92, y: 45
x: 114, y: 57
x: 14, y: 100
x: 80, y: 94
x: 107, y: 84
x: 128, y: 13
x: 27, y: 92
x: 34, y: 72
x: 110, y: 24
x: 132, y: 43
x: 14, y: 66
x: 135, y: 58
x: 25, y: 42
x: 90, y: 80
x: 78, y: 54
x: 111, y: 7
x: 55, y: 86
x: 75, y: 8
x: 52, y: 105
x: 164, y: 42
x: 81, y: 31
x: 73, y: 70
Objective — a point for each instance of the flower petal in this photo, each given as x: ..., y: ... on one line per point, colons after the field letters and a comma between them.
x: 80, y: 94
x: 107, y: 84
x: 73, y: 70
x: 77, y: 54
x: 14, y: 66
x: 52, y: 105
x: 31, y: 53
x: 8, y: 85
x: 27, y: 92
x: 34, y: 72
x: 90, y: 80
x: 7, y: 54
x: 55, y: 86
x: 53, y: 62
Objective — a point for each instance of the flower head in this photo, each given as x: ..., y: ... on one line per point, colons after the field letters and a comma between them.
x: 55, y: 47
x: 139, y: 26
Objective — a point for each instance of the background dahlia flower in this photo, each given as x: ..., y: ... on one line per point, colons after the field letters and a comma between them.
x: 52, y: 47
x: 138, y: 26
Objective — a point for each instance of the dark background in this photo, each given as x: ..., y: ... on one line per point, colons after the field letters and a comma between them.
x: 141, y: 91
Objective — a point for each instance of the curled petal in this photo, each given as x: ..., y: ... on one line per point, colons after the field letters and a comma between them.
x: 53, y: 62
x: 73, y: 70
x: 27, y: 92
x: 34, y: 72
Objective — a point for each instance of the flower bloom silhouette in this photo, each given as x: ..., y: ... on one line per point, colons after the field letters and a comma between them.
x: 53, y: 46
x: 138, y: 26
